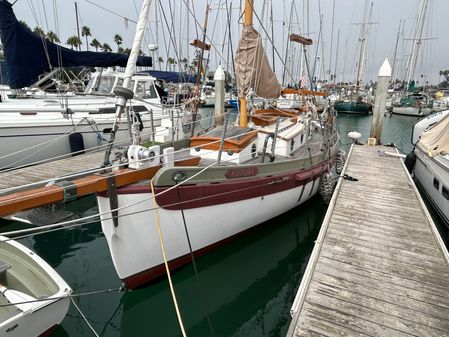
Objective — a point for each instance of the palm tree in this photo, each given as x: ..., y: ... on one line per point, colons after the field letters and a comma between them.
x: 85, y: 31
x: 118, y: 40
x: 170, y: 62
x: 121, y: 50
x: 160, y: 60
x: 184, y: 62
x: 96, y: 44
x: 39, y: 31
x: 74, y: 41
x: 53, y: 37
x: 105, y: 47
x: 23, y: 23
x: 127, y: 51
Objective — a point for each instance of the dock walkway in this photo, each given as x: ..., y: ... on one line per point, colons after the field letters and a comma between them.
x: 379, y: 266
x: 41, y: 174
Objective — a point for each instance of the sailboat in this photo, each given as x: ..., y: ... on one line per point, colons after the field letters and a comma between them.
x: 242, y: 176
x: 356, y: 101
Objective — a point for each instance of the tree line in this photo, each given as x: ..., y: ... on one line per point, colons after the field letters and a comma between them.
x: 75, y: 42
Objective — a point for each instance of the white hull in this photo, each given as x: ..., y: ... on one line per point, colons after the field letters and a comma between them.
x: 429, y: 170
x: 38, y: 322
x: 24, y: 142
x: 35, y: 278
x: 411, y: 111
x: 134, y: 243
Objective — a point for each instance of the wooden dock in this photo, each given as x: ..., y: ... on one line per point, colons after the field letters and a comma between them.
x: 379, y: 266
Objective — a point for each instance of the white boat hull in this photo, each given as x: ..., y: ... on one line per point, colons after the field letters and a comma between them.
x: 411, y: 111
x: 30, y: 142
x: 32, y: 276
x: 134, y: 244
x: 36, y: 323
x: 428, y: 169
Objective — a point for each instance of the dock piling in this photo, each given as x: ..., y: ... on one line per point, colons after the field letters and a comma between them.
x: 379, y: 104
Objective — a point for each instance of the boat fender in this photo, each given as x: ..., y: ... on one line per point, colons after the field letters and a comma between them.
x: 76, y: 142
x: 139, y: 120
x: 409, y: 161
x: 341, y: 159
x: 326, y: 187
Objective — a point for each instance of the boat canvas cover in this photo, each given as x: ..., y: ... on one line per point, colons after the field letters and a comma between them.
x: 28, y: 55
x: 252, y: 68
x: 436, y: 139
x: 172, y: 76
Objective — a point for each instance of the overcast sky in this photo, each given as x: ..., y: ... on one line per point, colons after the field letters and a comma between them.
x: 107, y: 21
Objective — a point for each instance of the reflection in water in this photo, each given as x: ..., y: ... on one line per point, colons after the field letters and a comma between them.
x: 247, y: 286
x: 65, y: 243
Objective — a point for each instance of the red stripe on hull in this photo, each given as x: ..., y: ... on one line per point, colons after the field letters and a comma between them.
x: 201, y: 195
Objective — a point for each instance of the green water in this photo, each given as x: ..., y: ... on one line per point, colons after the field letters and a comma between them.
x: 243, y: 289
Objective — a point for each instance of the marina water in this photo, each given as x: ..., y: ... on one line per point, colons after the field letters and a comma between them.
x: 244, y: 288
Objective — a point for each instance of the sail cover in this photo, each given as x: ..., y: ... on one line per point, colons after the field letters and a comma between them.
x: 436, y: 139
x: 252, y: 68
x: 27, y: 55
x: 172, y: 76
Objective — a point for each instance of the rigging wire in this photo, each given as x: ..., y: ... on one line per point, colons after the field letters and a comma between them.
x: 126, y: 19
x: 84, y: 317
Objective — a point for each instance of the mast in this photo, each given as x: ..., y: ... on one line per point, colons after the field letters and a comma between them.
x: 363, y: 40
x: 77, y: 24
x: 248, y: 21
x: 336, y: 56
x: 417, y: 40
x: 393, y: 67
x: 124, y: 93
x: 332, y: 40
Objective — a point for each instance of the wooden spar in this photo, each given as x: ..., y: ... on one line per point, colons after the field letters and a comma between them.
x: 248, y: 21
x: 300, y: 39
x: 287, y: 91
x: 249, y: 8
x: 95, y: 183
x: 200, y: 44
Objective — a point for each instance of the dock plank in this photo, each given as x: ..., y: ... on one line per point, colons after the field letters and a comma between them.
x: 379, y: 267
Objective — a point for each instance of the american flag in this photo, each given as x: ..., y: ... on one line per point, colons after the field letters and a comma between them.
x: 303, y: 81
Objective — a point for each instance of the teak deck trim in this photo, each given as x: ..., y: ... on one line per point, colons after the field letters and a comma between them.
x: 88, y: 184
x: 354, y: 285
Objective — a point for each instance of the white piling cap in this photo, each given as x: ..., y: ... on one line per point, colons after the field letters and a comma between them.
x: 385, y: 69
x: 219, y: 74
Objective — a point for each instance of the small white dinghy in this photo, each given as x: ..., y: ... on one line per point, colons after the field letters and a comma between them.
x: 34, y: 299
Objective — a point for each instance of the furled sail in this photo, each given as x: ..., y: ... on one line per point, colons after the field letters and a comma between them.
x: 172, y: 76
x: 27, y: 55
x: 436, y: 139
x: 252, y: 68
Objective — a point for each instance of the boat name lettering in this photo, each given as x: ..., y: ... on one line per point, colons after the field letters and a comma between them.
x: 241, y: 172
